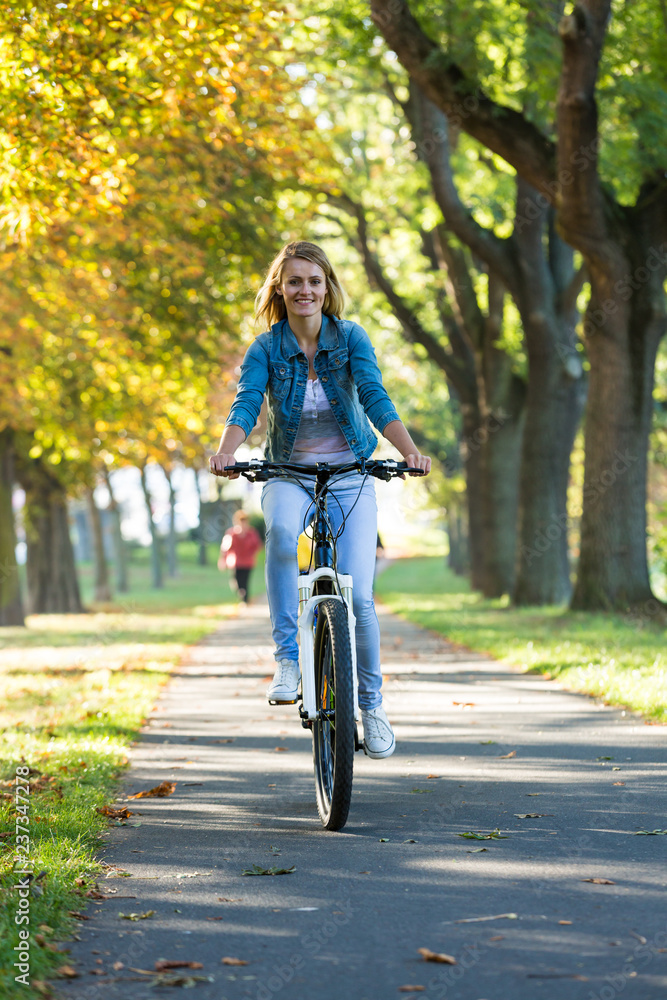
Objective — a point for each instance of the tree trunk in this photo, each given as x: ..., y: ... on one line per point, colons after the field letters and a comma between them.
x: 156, y: 560
x: 613, y: 567
x: 458, y: 558
x: 502, y: 396
x: 172, y: 561
x: 53, y: 587
x: 474, y: 433
x: 202, y: 558
x: 120, y: 549
x: 501, y: 458
x: 102, y: 590
x: 11, y: 607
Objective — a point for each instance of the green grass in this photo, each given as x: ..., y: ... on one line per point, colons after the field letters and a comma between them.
x: 74, y: 690
x: 619, y: 658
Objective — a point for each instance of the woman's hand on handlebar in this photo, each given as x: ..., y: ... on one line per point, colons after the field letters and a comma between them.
x: 217, y: 465
x: 418, y: 461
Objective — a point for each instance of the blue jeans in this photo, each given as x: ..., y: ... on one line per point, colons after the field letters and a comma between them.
x: 285, y: 505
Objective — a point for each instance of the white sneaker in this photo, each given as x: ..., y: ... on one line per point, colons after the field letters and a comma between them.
x: 379, y: 740
x: 285, y: 684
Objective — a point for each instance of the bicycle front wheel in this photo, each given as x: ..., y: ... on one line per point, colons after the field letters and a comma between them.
x: 333, y: 731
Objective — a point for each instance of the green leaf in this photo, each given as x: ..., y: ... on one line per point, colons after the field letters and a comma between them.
x: 258, y: 870
x: 494, y: 835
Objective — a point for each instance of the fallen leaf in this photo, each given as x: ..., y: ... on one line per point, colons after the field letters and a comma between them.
x: 486, y: 743
x: 187, y: 982
x: 436, y: 956
x: 228, y: 899
x: 281, y: 750
x: 77, y: 915
x: 650, y: 833
x: 599, y: 881
x: 258, y: 870
x: 476, y: 850
x: 165, y: 963
x: 159, y: 792
x: 233, y: 961
x: 136, y: 916
x: 494, y: 835
x: 117, y: 966
x: 564, y: 921
x: 497, y: 937
x: 531, y: 815
x: 227, y: 741
x: 604, y: 758
x: 464, y: 704
x: 420, y: 791
x: 215, y: 918
x: 67, y: 972
x: 618, y: 782
x: 411, y: 989
x: 532, y: 793
x: 410, y: 841
x: 504, y: 756
x: 122, y: 812
x: 364, y: 873
x: 384, y: 840
x: 477, y: 920
x: 432, y: 775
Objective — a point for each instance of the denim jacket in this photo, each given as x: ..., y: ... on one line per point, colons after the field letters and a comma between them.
x: 348, y: 372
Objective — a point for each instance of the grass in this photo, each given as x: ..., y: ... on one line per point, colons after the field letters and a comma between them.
x: 621, y: 659
x: 75, y: 690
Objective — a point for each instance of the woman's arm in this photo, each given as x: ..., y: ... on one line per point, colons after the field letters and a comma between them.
x: 396, y: 433
x: 232, y: 437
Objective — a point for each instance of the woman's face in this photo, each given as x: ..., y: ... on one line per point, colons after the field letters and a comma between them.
x: 303, y: 286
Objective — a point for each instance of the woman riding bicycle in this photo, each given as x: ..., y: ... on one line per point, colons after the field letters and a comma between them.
x: 323, y: 386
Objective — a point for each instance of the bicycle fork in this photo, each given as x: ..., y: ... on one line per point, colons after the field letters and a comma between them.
x: 308, y: 602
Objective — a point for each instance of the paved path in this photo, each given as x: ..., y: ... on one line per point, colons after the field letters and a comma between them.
x: 478, y: 744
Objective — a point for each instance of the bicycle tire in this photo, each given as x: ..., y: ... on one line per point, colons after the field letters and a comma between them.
x: 333, y: 736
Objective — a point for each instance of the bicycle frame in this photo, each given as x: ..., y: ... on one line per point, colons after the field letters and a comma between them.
x: 341, y: 589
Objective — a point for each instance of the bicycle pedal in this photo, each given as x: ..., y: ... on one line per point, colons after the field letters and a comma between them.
x: 272, y: 702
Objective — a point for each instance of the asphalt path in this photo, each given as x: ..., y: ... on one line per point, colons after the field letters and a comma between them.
x: 568, y: 905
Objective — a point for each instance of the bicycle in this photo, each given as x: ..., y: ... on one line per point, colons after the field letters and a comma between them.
x: 329, y: 686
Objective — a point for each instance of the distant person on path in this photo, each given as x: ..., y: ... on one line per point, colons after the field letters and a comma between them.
x: 238, y: 552
x: 324, y: 390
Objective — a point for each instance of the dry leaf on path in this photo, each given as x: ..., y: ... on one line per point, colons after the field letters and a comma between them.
x: 165, y: 963
x: 233, y: 961
x: 497, y: 937
x: 411, y: 989
x: 122, y: 812
x: 159, y: 792
x: 599, y: 881
x: 531, y: 815
x: 136, y: 916
x: 432, y: 775
x: 67, y: 972
x: 464, y: 704
x: 281, y: 750
x: 504, y: 756
x: 650, y: 833
x: 496, y: 916
x: 494, y: 835
x: 436, y: 956
x: 564, y: 921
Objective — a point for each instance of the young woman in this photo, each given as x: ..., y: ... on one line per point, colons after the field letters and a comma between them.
x: 323, y: 386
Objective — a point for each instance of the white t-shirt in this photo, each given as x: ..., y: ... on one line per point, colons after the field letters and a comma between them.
x: 319, y: 438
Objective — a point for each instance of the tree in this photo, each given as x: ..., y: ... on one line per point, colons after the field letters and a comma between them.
x: 622, y: 244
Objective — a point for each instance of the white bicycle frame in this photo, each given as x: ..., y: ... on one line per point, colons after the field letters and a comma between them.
x: 342, y: 587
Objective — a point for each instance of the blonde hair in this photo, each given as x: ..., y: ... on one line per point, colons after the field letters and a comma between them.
x: 270, y: 307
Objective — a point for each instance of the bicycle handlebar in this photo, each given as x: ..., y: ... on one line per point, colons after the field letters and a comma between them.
x: 260, y: 471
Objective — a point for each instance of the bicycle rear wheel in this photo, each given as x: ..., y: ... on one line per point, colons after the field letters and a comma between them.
x: 333, y: 731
